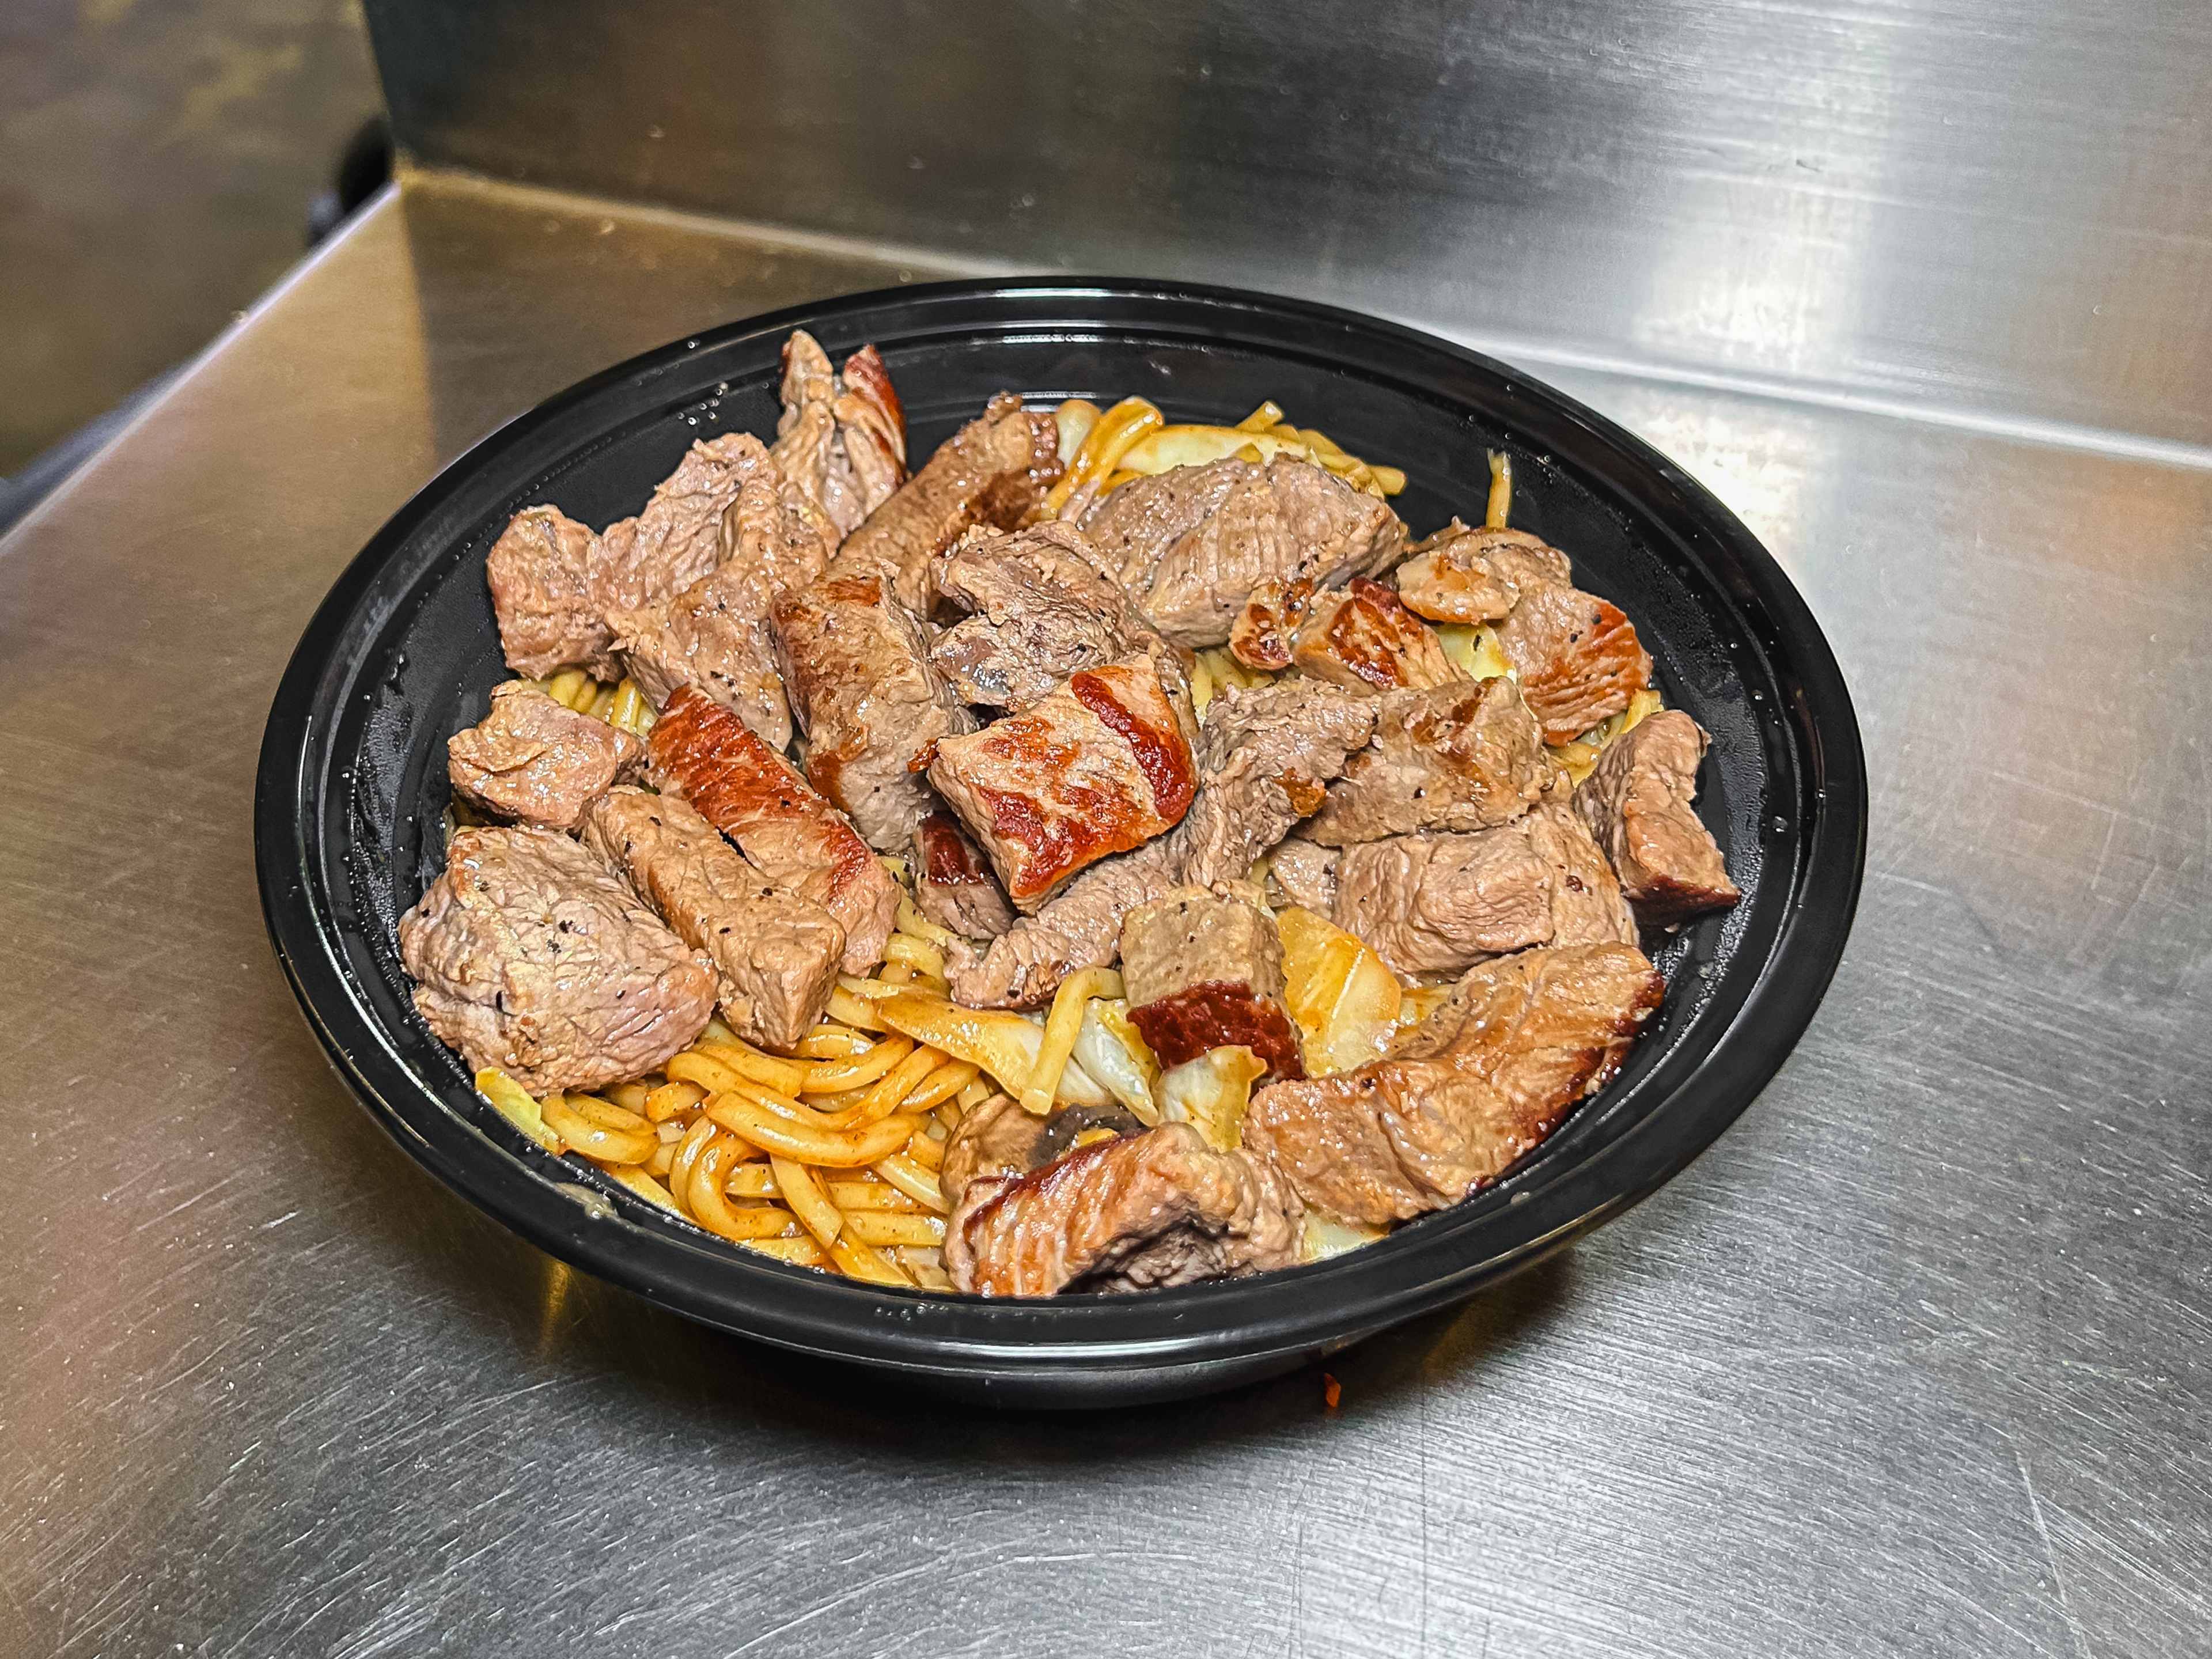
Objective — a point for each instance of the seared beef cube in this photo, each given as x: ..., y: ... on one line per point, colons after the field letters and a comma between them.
x: 1466, y: 1094
x: 857, y: 668
x: 1304, y: 874
x: 1436, y: 904
x: 554, y: 585
x: 1467, y: 756
x: 529, y: 955
x: 536, y: 762
x: 714, y: 635
x: 540, y: 572
x: 1577, y: 657
x: 1264, y: 633
x: 1133, y: 1213
x: 841, y: 440
x: 1196, y: 545
x: 1477, y: 575
x: 1637, y: 803
x: 1100, y: 766
x: 1041, y: 607
x: 806, y: 450
x: 1078, y: 927
x: 1588, y: 906
x: 679, y: 534
x: 953, y: 885
x: 872, y: 427
x: 994, y: 470
x: 798, y: 842
x: 776, y: 954
x: 1204, y: 972
x: 1365, y: 638
x: 1176, y: 515
x: 1265, y: 755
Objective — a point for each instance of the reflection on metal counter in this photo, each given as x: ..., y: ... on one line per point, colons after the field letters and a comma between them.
x: 1988, y: 208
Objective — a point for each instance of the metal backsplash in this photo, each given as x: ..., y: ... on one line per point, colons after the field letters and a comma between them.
x: 1997, y: 208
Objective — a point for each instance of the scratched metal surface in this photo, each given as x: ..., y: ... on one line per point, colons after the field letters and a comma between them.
x: 1969, y: 206
x: 1915, y: 1360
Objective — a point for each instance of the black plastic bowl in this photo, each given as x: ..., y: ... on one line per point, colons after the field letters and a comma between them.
x: 405, y: 652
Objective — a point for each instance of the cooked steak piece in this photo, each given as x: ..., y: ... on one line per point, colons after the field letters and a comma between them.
x: 1637, y: 803
x: 953, y: 885
x: 1100, y: 766
x: 1477, y: 575
x: 616, y: 582
x: 1129, y: 1214
x: 994, y: 470
x: 1437, y: 904
x: 1041, y: 606
x: 1264, y: 633
x: 1465, y: 1093
x: 1467, y: 756
x: 840, y: 440
x: 529, y: 954
x: 1577, y: 657
x: 776, y: 954
x: 1195, y: 545
x: 1588, y: 906
x: 714, y: 635
x: 856, y: 665
x: 797, y: 841
x: 1304, y: 874
x: 1266, y: 755
x: 1136, y: 525
x: 679, y: 532
x: 1365, y: 638
x: 540, y: 572
x: 806, y: 451
x: 1204, y: 972
x: 554, y: 585
x: 1079, y: 926
x: 536, y: 762
x: 872, y: 426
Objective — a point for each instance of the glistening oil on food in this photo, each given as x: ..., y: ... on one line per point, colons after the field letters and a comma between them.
x: 1110, y: 855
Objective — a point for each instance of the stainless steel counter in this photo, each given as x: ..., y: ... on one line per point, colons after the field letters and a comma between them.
x: 1918, y: 1359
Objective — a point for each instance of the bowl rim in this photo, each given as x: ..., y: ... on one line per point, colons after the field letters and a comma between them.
x: 616, y: 1236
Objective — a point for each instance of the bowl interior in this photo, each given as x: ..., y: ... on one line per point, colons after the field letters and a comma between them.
x: 406, y: 652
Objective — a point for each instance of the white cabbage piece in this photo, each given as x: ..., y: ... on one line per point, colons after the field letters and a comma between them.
x: 1327, y: 1236
x: 1343, y: 996
x: 1109, y: 1048
x: 1212, y: 1092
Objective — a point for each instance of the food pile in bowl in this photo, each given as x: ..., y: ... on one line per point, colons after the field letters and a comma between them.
x: 1112, y: 854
